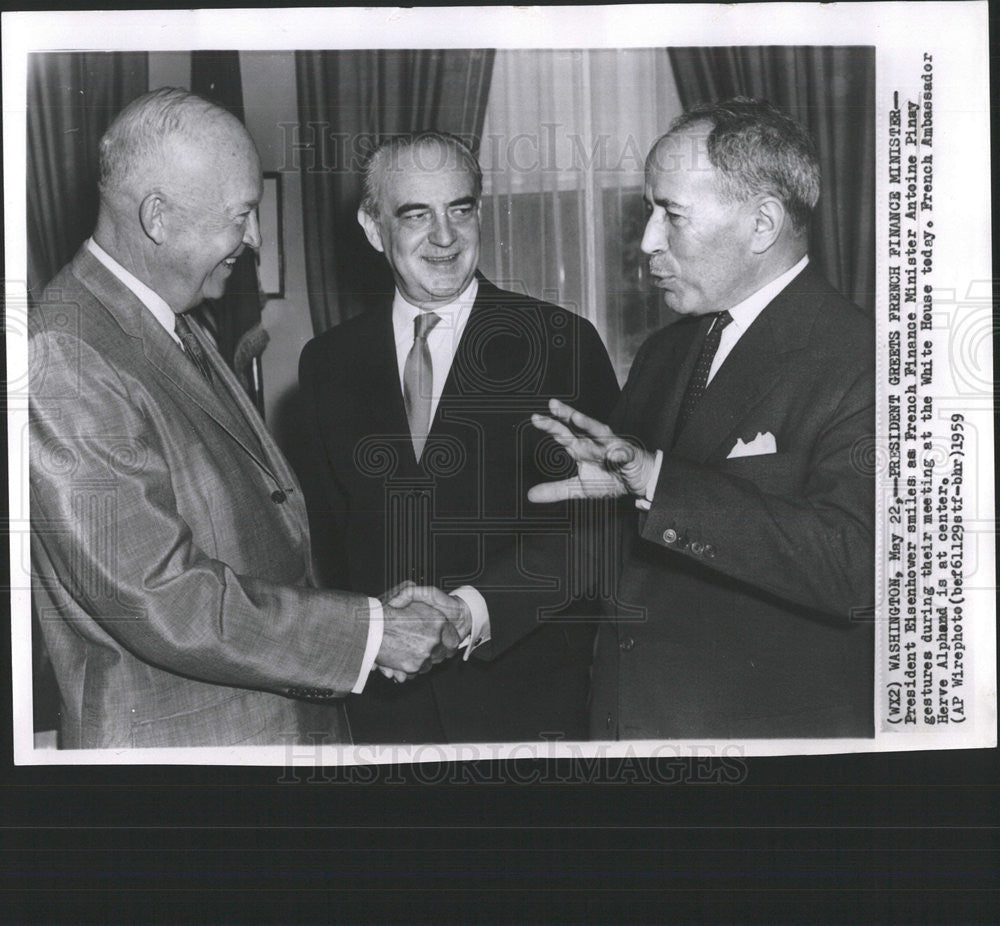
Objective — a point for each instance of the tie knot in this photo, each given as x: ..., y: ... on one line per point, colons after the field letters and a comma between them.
x: 423, y: 324
x: 722, y: 319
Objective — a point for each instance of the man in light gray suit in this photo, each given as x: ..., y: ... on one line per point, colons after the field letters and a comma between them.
x: 170, y: 546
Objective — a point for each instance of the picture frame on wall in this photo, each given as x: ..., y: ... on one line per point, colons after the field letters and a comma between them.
x: 270, y: 257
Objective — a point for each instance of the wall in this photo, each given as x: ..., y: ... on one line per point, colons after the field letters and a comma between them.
x: 269, y: 99
x: 169, y: 69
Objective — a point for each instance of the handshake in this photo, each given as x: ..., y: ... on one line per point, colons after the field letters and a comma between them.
x: 422, y: 626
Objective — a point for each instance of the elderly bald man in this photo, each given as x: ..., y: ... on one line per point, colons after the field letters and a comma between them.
x: 170, y: 545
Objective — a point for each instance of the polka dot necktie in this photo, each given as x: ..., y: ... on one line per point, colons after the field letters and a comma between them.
x: 699, y: 378
x: 192, y: 347
x: 418, y: 381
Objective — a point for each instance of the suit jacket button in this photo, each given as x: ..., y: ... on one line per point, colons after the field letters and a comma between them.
x: 709, y: 551
x: 277, y: 496
x: 627, y: 643
x: 607, y: 723
x: 670, y: 535
x: 696, y: 548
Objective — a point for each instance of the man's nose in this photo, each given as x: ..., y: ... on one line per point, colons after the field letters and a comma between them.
x: 442, y: 232
x: 251, y: 235
x: 654, y: 241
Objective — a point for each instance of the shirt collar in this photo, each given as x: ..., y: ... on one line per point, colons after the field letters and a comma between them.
x: 453, y: 316
x: 746, y: 311
x: 156, y: 304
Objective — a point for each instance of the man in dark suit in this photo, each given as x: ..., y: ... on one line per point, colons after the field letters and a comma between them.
x: 748, y: 540
x: 170, y: 548
x: 424, y: 452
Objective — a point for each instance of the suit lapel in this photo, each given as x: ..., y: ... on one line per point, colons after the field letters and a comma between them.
x: 166, y: 355
x: 474, y: 368
x: 752, y: 369
x: 749, y: 371
x: 677, y: 368
x: 378, y: 376
x: 455, y: 383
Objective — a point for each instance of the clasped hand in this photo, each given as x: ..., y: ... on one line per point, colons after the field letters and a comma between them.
x: 422, y: 626
x: 607, y: 465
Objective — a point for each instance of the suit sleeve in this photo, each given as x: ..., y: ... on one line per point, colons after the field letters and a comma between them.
x: 131, y: 565
x: 515, y: 614
x: 325, y: 497
x: 814, y: 548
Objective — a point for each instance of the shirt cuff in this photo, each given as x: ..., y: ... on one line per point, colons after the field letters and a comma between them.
x: 373, y: 646
x: 643, y: 504
x: 480, y: 632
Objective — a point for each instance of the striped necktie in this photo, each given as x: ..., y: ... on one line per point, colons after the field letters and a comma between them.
x: 192, y: 347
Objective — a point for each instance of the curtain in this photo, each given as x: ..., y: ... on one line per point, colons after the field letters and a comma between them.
x: 72, y: 98
x: 564, y: 144
x: 349, y: 101
x: 830, y: 90
x: 234, y: 319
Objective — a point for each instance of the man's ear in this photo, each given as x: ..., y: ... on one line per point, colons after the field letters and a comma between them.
x: 152, y: 217
x: 371, y: 228
x: 769, y: 219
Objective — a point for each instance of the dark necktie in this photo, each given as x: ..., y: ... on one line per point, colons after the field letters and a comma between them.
x: 418, y: 381
x: 192, y: 347
x: 699, y: 378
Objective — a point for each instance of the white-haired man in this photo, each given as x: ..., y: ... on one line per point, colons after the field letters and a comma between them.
x: 170, y: 546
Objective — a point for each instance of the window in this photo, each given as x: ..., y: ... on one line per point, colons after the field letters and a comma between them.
x: 564, y: 142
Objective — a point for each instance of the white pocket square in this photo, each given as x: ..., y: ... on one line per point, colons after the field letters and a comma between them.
x: 760, y: 445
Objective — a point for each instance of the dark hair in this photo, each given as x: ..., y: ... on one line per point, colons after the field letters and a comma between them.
x: 386, y: 155
x: 758, y: 149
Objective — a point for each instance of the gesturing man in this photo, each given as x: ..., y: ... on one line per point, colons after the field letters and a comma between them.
x: 170, y: 547
x: 421, y: 414
x: 750, y: 546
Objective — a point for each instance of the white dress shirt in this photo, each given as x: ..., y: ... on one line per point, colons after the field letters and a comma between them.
x: 442, y: 342
x: 743, y: 315
x: 162, y: 312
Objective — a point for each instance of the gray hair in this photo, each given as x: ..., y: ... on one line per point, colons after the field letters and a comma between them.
x: 136, y: 138
x: 756, y: 150
x: 386, y: 155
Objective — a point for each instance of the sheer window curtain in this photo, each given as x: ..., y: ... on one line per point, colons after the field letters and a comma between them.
x: 564, y: 141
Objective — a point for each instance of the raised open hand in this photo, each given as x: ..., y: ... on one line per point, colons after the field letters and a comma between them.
x: 607, y: 465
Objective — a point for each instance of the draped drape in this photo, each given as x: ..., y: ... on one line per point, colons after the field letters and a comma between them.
x: 349, y: 101
x: 563, y: 153
x: 234, y: 319
x: 72, y: 98
x: 831, y: 90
